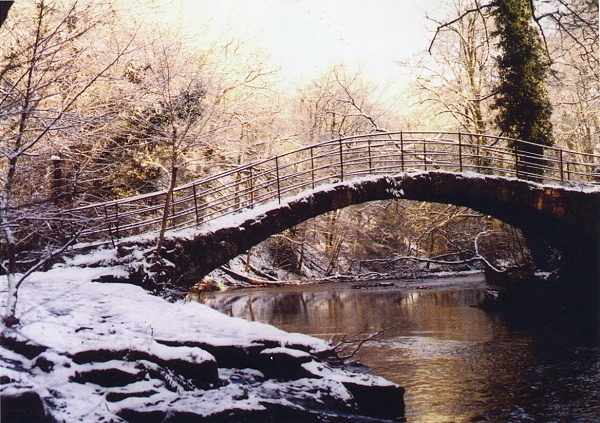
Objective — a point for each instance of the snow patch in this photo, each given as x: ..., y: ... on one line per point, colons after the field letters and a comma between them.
x: 74, y: 317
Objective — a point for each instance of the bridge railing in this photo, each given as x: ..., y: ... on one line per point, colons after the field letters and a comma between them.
x: 288, y: 174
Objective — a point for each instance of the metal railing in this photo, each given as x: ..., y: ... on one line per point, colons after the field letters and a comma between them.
x: 273, y: 179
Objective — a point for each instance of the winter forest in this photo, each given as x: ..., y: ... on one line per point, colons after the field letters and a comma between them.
x: 100, y: 101
x: 109, y: 110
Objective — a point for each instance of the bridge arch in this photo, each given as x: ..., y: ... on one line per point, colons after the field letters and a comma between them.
x: 566, y: 219
x: 486, y: 173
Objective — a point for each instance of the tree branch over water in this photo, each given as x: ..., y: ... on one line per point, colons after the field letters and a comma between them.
x: 355, y: 342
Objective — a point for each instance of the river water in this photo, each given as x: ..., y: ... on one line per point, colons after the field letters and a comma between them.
x: 456, y: 362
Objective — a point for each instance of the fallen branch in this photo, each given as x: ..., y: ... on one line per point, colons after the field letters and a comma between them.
x: 437, y: 261
x: 258, y: 271
x: 248, y: 279
x: 425, y: 260
x: 356, y: 342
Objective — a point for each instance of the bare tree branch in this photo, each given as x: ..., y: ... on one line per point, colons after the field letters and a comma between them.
x: 477, y: 9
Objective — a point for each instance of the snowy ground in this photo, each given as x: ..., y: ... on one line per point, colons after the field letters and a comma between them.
x: 112, y: 352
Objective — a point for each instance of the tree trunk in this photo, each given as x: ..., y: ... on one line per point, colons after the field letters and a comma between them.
x: 165, y: 219
x: 11, y: 247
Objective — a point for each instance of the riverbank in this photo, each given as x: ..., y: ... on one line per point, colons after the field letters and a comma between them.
x: 86, y: 351
x: 236, y: 276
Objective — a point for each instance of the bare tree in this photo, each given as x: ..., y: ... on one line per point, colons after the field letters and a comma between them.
x: 338, y: 104
x: 569, y: 32
x: 575, y: 22
x: 196, y: 110
x: 574, y: 87
x: 176, y: 114
x: 457, y: 77
x: 45, y: 74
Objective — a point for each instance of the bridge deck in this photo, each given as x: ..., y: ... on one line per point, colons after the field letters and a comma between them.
x: 275, y: 178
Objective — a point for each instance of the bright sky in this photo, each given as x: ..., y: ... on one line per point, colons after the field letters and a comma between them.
x: 308, y: 36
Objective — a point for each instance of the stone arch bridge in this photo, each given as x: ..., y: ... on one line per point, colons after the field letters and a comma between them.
x: 553, y: 198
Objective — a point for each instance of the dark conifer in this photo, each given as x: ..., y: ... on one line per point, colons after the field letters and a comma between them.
x: 524, y: 110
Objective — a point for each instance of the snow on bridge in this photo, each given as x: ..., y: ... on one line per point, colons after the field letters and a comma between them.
x: 552, y: 197
x: 276, y: 178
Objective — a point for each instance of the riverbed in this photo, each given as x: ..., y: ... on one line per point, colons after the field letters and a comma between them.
x: 457, y: 362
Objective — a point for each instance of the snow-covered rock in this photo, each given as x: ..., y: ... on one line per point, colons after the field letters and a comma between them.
x: 86, y: 351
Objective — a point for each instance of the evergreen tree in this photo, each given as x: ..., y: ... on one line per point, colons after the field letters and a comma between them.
x: 524, y: 110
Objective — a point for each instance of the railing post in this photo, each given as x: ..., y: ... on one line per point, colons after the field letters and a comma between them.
x: 277, y: 174
x: 110, y: 231
x: 196, y: 203
x: 425, y: 154
x: 402, y: 150
x: 370, y: 159
x: 460, y: 164
x: 562, y: 178
x: 516, y: 160
x: 237, y: 199
x: 312, y: 167
x: 117, y: 235
x: 341, y: 161
x: 172, y: 208
x: 251, y: 186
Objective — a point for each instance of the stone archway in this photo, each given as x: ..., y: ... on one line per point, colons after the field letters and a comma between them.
x: 563, y: 218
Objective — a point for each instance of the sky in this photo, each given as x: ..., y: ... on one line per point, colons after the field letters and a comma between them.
x: 306, y: 37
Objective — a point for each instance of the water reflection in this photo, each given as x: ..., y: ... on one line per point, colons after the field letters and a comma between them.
x: 456, y: 362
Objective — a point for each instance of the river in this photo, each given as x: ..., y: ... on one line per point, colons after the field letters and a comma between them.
x: 457, y: 362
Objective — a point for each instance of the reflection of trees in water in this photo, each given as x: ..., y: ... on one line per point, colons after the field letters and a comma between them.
x: 293, y: 305
x: 268, y: 308
x: 340, y: 310
x: 456, y: 362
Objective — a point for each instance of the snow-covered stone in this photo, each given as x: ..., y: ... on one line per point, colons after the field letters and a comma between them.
x: 87, y: 351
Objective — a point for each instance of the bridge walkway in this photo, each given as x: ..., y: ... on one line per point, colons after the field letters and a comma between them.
x: 274, y: 179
